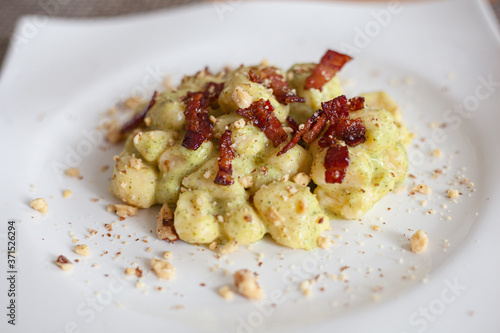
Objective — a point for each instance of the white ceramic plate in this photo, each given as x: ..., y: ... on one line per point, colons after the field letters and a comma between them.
x: 439, y: 60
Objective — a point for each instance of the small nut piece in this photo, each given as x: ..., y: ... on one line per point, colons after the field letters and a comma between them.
x: 305, y: 287
x: 437, y: 152
x: 421, y: 188
x: 114, y: 134
x: 132, y: 102
x: 64, y: 263
x: 301, y: 179
x: 419, y: 241
x: 213, y: 246
x: 82, y: 249
x: 40, y: 205
x: 239, y: 124
x: 292, y: 189
x: 137, y: 137
x: 246, y: 181
x: 453, y: 194
x: 324, y: 242
x: 165, y: 224
x: 163, y: 269
x: 135, y: 163
x: 241, y: 97
x: 301, y: 207
x: 226, y: 292
x: 73, y: 172
x: 229, y: 247
x: 246, y: 284
x: 125, y: 210
x: 274, y: 216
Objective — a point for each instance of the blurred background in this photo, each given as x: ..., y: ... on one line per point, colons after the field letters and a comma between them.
x: 11, y: 10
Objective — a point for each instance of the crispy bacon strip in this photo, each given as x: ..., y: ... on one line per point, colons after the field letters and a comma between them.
x: 328, y: 138
x: 292, y: 123
x: 336, y: 108
x: 261, y: 114
x: 341, y: 127
x: 254, y: 77
x: 270, y: 77
x: 329, y: 65
x: 351, y: 131
x: 225, y: 173
x: 138, y: 118
x: 296, y: 138
x: 356, y: 103
x: 336, y: 163
x: 289, y: 97
x: 199, y: 126
x: 313, y: 133
x: 212, y: 92
x: 301, y: 131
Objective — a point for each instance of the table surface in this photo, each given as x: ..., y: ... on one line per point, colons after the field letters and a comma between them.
x: 10, y: 11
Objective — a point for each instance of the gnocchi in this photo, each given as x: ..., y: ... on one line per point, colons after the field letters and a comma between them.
x: 269, y: 192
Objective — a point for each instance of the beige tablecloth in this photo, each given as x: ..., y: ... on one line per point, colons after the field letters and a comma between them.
x: 11, y: 10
